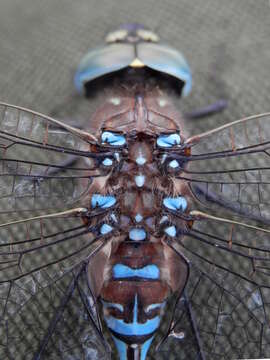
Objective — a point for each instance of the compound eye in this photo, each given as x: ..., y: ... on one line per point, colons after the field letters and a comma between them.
x: 169, y: 140
x: 113, y: 139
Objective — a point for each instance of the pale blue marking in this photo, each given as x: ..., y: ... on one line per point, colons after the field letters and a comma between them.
x: 177, y: 203
x: 117, y: 156
x: 163, y: 158
x: 113, y: 217
x: 171, y: 231
x: 137, y: 234
x: 107, y: 162
x: 147, y: 272
x: 103, y: 201
x: 113, y: 138
x: 139, y: 180
x: 108, y: 305
x: 140, y: 160
x: 163, y: 219
x: 145, y: 347
x: 168, y: 140
x: 105, y: 229
x: 174, y: 164
x: 121, y: 348
x: 138, y: 218
x: 155, y: 306
x: 134, y: 328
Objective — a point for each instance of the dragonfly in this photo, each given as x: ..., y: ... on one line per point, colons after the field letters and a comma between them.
x: 132, y: 238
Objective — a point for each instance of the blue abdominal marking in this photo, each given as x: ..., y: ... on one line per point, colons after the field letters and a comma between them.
x: 145, y: 348
x: 105, y: 229
x: 171, y: 231
x: 137, y: 234
x: 108, y: 305
x: 113, y: 138
x: 102, y: 201
x: 168, y: 140
x: 147, y: 272
x: 177, y: 203
x: 135, y: 328
x: 154, y: 306
x: 122, y: 348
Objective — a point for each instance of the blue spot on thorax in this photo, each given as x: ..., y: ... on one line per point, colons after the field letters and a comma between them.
x: 174, y: 164
x: 169, y: 140
x: 107, y: 162
x: 177, y: 203
x: 136, y: 234
x: 105, y: 229
x: 171, y: 231
x: 114, y: 139
x: 102, y: 201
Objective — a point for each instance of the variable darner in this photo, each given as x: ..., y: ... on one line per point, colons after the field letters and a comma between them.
x: 160, y: 236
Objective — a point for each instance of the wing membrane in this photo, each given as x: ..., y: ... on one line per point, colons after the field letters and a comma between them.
x: 43, y: 163
x: 228, y: 288
x: 230, y: 166
x: 52, y: 319
x: 57, y: 240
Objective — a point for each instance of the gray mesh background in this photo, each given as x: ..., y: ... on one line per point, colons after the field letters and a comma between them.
x: 225, y: 42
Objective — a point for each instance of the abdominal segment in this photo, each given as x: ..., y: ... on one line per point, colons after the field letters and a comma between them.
x: 134, y: 297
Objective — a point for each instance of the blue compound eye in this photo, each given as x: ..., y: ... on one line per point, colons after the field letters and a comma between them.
x: 167, y: 141
x: 113, y: 139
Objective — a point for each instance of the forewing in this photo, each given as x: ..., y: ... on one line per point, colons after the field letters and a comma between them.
x: 43, y: 162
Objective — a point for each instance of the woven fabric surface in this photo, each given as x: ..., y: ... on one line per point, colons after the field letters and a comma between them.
x: 226, y: 44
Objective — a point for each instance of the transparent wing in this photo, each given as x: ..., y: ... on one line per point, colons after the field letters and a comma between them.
x: 57, y: 320
x: 46, y: 166
x: 230, y: 166
x: 39, y: 258
x: 227, y: 292
x: 43, y: 162
x: 182, y: 340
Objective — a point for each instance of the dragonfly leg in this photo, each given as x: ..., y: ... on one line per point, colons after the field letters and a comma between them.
x: 208, y: 110
x: 57, y: 317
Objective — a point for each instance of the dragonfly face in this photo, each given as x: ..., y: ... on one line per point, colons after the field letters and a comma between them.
x: 135, y: 230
